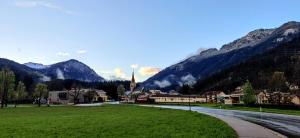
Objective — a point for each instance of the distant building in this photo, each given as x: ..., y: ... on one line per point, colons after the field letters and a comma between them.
x: 295, y: 99
x: 64, y: 97
x: 166, y: 98
x: 214, y: 96
x: 262, y: 97
x: 235, y: 97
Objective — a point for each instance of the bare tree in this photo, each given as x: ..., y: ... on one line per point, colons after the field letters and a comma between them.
x: 75, y: 92
x: 7, y: 80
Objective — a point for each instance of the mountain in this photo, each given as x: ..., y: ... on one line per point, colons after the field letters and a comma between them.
x: 211, y: 61
x: 71, y: 69
x: 20, y: 70
x: 35, y: 65
x: 258, y: 70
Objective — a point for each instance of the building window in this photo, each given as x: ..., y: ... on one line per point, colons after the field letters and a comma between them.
x: 62, y: 96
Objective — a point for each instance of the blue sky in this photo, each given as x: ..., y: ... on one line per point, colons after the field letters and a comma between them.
x: 112, y: 35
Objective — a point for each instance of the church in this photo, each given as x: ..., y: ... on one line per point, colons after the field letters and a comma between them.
x: 132, y: 83
x: 131, y: 94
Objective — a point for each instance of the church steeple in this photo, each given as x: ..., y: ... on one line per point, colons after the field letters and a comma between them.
x: 132, y: 84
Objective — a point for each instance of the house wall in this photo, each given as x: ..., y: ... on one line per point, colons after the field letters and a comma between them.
x: 54, y: 97
x: 296, y: 100
x: 178, y: 100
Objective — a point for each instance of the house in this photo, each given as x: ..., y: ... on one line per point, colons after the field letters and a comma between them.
x: 295, y: 99
x: 59, y: 97
x: 100, y: 96
x: 166, y: 98
x: 84, y: 96
x: 262, y: 97
x: 214, y: 96
x: 235, y: 97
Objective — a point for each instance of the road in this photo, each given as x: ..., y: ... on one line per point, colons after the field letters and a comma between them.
x: 287, y: 125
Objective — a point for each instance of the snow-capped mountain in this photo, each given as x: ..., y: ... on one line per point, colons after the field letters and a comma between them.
x: 71, y: 69
x: 210, y: 61
x: 36, y: 65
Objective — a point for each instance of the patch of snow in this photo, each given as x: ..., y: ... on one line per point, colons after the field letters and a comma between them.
x: 60, y: 74
x: 36, y: 65
x: 290, y: 31
x: 279, y: 39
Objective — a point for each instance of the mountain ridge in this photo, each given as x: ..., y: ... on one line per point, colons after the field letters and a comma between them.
x: 70, y: 69
x: 237, y: 51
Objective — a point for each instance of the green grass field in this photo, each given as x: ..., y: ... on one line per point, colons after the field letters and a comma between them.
x: 109, y: 121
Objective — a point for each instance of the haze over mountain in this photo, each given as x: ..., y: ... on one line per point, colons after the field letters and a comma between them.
x: 71, y: 69
x: 211, y: 61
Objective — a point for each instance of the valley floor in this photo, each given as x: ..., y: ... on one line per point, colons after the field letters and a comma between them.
x: 109, y: 121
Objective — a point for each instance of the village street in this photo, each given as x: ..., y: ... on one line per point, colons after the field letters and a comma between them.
x: 287, y: 125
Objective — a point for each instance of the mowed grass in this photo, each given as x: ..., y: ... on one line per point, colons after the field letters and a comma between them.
x: 109, y: 121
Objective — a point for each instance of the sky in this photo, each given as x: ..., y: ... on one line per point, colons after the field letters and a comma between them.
x: 115, y: 36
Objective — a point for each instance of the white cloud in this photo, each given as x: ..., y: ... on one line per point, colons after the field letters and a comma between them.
x: 162, y: 84
x: 64, y: 54
x: 41, y: 3
x: 134, y: 66
x: 188, y: 79
x: 81, y: 51
x: 45, y: 78
x: 145, y: 71
x: 119, y: 73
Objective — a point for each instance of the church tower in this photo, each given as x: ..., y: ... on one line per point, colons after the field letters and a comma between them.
x: 132, y: 84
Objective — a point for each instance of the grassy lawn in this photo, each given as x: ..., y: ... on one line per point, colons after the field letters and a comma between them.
x: 244, y: 108
x: 109, y: 121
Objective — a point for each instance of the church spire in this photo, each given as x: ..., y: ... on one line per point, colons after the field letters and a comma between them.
x: 132, y: 78
x: 132, y: 84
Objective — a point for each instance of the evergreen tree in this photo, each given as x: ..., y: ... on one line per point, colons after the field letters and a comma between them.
x: 249, y: 95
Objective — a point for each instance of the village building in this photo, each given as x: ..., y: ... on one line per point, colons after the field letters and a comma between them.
x: 295, y: 99
x: 262, y: 97
x: 214, y: 96
x: 235, y: 97
x: 166, y: 98
x: 65, y: 97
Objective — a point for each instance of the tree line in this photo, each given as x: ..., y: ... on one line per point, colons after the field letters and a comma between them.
x: 10, y: 91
